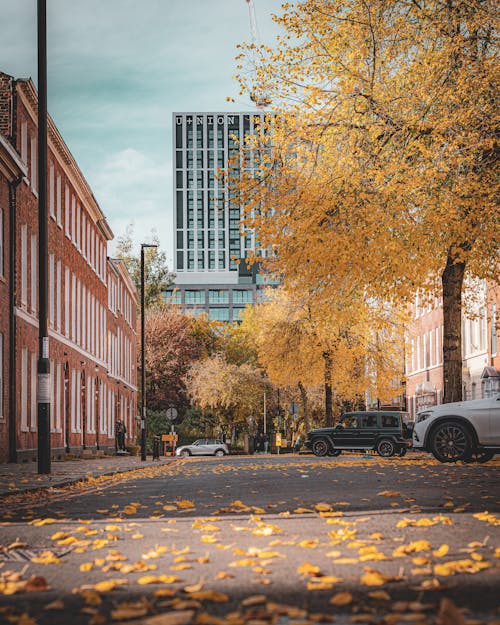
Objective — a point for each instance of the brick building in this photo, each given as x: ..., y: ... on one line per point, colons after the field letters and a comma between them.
x: 91, y: 301
x: 480, y: 357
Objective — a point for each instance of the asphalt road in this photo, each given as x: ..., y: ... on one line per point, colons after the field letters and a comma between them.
x: 391, y: 538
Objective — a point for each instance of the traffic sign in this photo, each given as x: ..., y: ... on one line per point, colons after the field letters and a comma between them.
x: 172, y: 414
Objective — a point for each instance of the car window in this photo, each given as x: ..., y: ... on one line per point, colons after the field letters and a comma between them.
x: 390, y: 420
x: 350, y: 421
x: 197, y: 442
x: 368, y: 421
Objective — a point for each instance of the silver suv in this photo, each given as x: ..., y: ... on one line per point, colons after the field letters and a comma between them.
x: 465, y: 430
x: 203, y: 447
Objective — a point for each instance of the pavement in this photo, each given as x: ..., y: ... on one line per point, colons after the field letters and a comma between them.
x: 23, y: 477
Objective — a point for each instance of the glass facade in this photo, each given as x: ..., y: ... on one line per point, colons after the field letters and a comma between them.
x: 218, y: 314
x: 218, y: 296
x: 194, y: 297
x: 207, y: 217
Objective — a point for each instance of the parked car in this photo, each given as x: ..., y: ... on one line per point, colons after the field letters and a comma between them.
x: 203, y: 447
x: 465, y: 430
x: 387, y: 432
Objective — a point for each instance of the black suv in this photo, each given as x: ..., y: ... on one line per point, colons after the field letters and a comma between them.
x: 389, y: 433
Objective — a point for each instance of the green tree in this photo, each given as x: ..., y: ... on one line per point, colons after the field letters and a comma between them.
x: 157, y: 277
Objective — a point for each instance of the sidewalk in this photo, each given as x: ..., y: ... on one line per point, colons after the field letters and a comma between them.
x: 23, y: 477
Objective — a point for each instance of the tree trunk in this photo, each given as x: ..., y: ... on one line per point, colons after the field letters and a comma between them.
x: 303, y: 397
x: 452, y: 281
x: 328, y: 389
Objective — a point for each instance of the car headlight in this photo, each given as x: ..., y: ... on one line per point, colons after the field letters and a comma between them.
x: 422, y: 416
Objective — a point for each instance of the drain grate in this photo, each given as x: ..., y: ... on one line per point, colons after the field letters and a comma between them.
x: 26, y: 555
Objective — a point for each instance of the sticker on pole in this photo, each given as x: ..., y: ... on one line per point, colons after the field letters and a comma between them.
x: 43, y: 394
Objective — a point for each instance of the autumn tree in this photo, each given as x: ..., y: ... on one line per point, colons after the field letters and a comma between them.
x: 380, y: 166
x: 233, y: 392
x: 173, y: 343
x: 305, y: 340
x: 157, y: 277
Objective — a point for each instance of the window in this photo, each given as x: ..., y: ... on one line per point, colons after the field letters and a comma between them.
x: 24, y: 142
x: 173, y: 297
x: 52, y: 195
x: 34, y: 265
x: 350, y: 422
x: 58, y: 200
x: 58, y: 397
x: 24, y: 389
x: 24, y: 265
x: 1, y: 244
x: 494, y: 339
x: 242, y: 297
x: 34, y: 165
x: 218, y: 314
x: 66, y: 211
x: 368, y: 421
x: 52, y: 290
x: 194, y: 297
x: 33, y: 402
x: 390, y: 421
x: 66, y: 302
x: 1, y: 375
x: 218, y: 297
x: 73, y: 218
x: 58, y: 296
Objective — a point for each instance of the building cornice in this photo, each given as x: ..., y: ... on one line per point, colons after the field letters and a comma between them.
x: 11, y: 165
x: 29, y: 97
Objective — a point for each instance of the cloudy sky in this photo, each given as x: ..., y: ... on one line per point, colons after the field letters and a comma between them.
x: 117, y: 69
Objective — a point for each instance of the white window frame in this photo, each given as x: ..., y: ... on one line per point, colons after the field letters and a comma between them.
x: 67, y: 215
x: 24, y: 389
x: 34, y: 273
x: 24, y: 265
x: 34, y: 166
x: 1, y: 376
x: 59, y: 200
x: 58, y: 296
x: 33, y: 380
x: 52, y: 194
x: 1, y: 243
x: 52, y: 290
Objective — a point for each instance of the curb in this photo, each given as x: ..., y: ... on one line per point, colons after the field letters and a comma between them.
x: 81, y: 478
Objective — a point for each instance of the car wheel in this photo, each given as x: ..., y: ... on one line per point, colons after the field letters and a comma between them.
x: 219, y: 453
x: 320, y: 447
x: 386, y: 448
x: 480, y: 455
x: 334, y: 452
x: 402, y: 451
x: 450, y: 441
x: 185, y: 453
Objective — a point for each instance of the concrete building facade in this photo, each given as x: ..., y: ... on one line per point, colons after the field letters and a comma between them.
x: 88, y: 338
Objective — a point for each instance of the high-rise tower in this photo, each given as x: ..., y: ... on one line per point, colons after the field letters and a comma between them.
x: 208, y: 243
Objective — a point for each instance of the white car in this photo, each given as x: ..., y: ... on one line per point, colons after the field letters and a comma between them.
x: 465, y: 430
x: 203, y: 447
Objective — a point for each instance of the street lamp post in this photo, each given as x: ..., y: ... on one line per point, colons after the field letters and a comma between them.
x: 43, y: 365
x: 143, y: 360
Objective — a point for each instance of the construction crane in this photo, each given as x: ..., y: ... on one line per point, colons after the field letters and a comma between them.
x: 261, y: 101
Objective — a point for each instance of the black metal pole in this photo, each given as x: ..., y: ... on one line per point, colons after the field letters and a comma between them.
x: 143, y: 361
x: 43, y: 399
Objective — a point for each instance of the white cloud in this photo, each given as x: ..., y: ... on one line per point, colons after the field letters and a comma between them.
x: 133, y: 188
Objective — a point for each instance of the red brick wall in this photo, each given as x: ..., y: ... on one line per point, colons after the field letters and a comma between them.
x: 77, y: 306
x: 4, y: 317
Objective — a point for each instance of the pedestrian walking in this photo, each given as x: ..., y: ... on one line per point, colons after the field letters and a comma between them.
x: 121, y: 430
